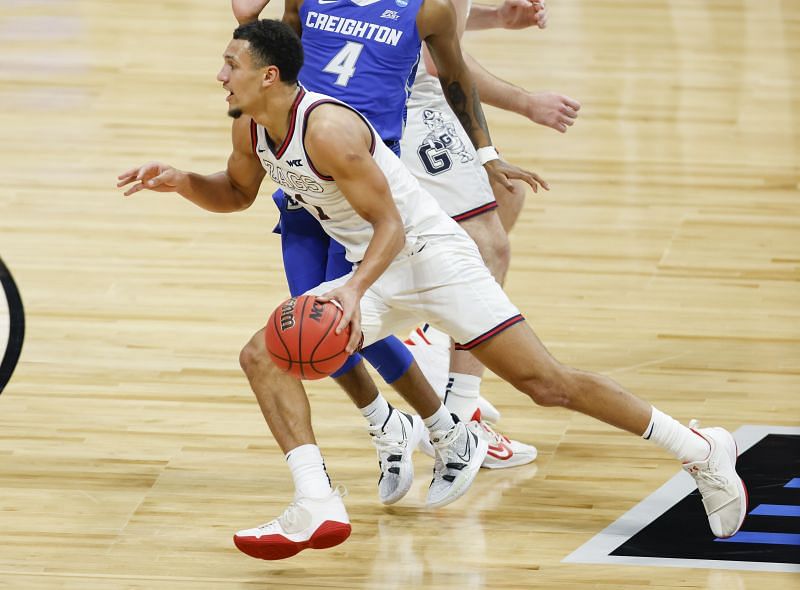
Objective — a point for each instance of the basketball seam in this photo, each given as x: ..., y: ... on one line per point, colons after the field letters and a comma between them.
x: 300, y: 336
x: 321, y: 340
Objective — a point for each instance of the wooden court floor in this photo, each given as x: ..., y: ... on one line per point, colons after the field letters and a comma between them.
x: 666, y: 255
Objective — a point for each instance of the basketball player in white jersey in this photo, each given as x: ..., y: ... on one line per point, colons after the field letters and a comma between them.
x: 413, y: 261
x: 458, y: 188
x: 438, y: 152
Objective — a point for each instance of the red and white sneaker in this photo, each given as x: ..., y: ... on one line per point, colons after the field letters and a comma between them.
x: 316, y: 523
x: 723, y: 492
x: 503, y: 452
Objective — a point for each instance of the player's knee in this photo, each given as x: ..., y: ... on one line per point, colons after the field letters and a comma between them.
x: 550, y: 389
x: 495, y: 250
x: 254, y: 354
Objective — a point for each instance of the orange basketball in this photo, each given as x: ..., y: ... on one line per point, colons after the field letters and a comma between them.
x: 301, y: 337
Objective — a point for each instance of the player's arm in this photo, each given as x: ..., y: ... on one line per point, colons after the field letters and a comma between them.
x: 550, y: 109
x: 511, y: 14
x: 234, y: 189
x: 437, y: 23
x: 545, y: 108
x: 338, y: 142
x: 246, y: 11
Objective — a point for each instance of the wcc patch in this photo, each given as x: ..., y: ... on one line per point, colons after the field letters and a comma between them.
x: 669, y: 528
x: 12, y: 325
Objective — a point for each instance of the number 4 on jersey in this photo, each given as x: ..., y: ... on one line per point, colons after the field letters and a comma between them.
x: 343, y: 63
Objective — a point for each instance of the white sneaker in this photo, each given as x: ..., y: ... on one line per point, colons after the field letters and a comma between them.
x: 459, y: 454
x: 503, y: 452
x: 488, y: 411
x: 317, y: 523
x: 396, y: 443
x: 723, y: 491
x: 431, y: 350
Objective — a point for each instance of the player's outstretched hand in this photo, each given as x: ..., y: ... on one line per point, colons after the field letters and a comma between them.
x: 521, y: 14
x: 348, y: 299
x: 247, y: 10
x: 153, y: 176
x: 553, y: 110
x: 503, y: 173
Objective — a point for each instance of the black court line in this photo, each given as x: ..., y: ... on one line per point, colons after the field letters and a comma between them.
x: 16, y: 330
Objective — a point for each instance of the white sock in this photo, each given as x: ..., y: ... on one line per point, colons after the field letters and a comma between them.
x: 679, y: 440
x: 377, y: 412
x: 461, y: 396
x: 308, y: 472
x: 441, y: 420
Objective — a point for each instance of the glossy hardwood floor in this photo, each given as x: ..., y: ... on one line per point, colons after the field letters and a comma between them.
x: 666, y: 256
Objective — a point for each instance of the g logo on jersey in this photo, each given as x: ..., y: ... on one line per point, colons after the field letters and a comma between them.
x: 12, y: 325
x: 433, y: 155
x: 442, y: 142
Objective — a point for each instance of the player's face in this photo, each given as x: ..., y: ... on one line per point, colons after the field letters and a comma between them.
x: 240, y: 78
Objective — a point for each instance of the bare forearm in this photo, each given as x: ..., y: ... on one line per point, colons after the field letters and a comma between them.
x: 494, y: 91
x: 213, y: 192
x: 462, y: 96
x: 481, y: 17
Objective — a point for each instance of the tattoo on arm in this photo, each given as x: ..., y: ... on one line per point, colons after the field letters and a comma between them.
x: 470, y: 121
x: 458, y: 102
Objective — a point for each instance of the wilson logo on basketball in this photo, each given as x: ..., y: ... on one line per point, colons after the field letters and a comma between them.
x: 287, y: 314
x: 316, y: 312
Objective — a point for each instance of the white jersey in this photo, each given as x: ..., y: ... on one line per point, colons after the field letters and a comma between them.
x: 290, y: 167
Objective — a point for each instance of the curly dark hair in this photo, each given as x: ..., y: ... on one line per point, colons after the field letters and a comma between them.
x: 273, y: 43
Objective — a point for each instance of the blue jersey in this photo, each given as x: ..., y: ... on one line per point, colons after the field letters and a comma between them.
x: 365, y: 53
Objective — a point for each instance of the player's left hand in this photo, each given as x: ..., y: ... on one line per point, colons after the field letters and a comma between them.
x: 521, y: 14
x: 350, y: 302
x: 503, y: 173
x: 553, y: 110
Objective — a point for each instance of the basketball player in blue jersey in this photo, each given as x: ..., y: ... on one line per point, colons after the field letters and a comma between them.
x: 415, y: 261
x: 365, y: 53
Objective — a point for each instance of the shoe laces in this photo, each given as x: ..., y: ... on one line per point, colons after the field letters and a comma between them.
x: 704, y: 474
x: 389, y: 449
x: 486, y: 431
x: 446, y: 457
x: 294, y: 512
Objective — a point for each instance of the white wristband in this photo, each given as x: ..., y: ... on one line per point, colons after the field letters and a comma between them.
x: 487, y: 154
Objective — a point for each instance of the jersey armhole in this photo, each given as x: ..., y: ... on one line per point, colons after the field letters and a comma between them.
x: 314, y: 105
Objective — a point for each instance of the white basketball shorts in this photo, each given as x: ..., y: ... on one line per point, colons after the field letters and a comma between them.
x: 439, y: 153
x: 445, y: 283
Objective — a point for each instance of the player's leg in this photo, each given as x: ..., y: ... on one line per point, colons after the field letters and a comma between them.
x: 394, y: 433
x: 509, y: 202
x: 466, y: 371
x: 458, y: 451
x: 708, y: 454
x: 439, y: 154
x: 285, y: 408
x: 317, y: 517
x: 508, y: 346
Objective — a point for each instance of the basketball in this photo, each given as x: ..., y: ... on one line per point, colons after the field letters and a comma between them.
x: 301, y: 337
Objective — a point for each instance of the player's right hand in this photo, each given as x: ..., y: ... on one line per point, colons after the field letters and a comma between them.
x: 503, y: 173
x: 153, y: 176
x: 349, y: 300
